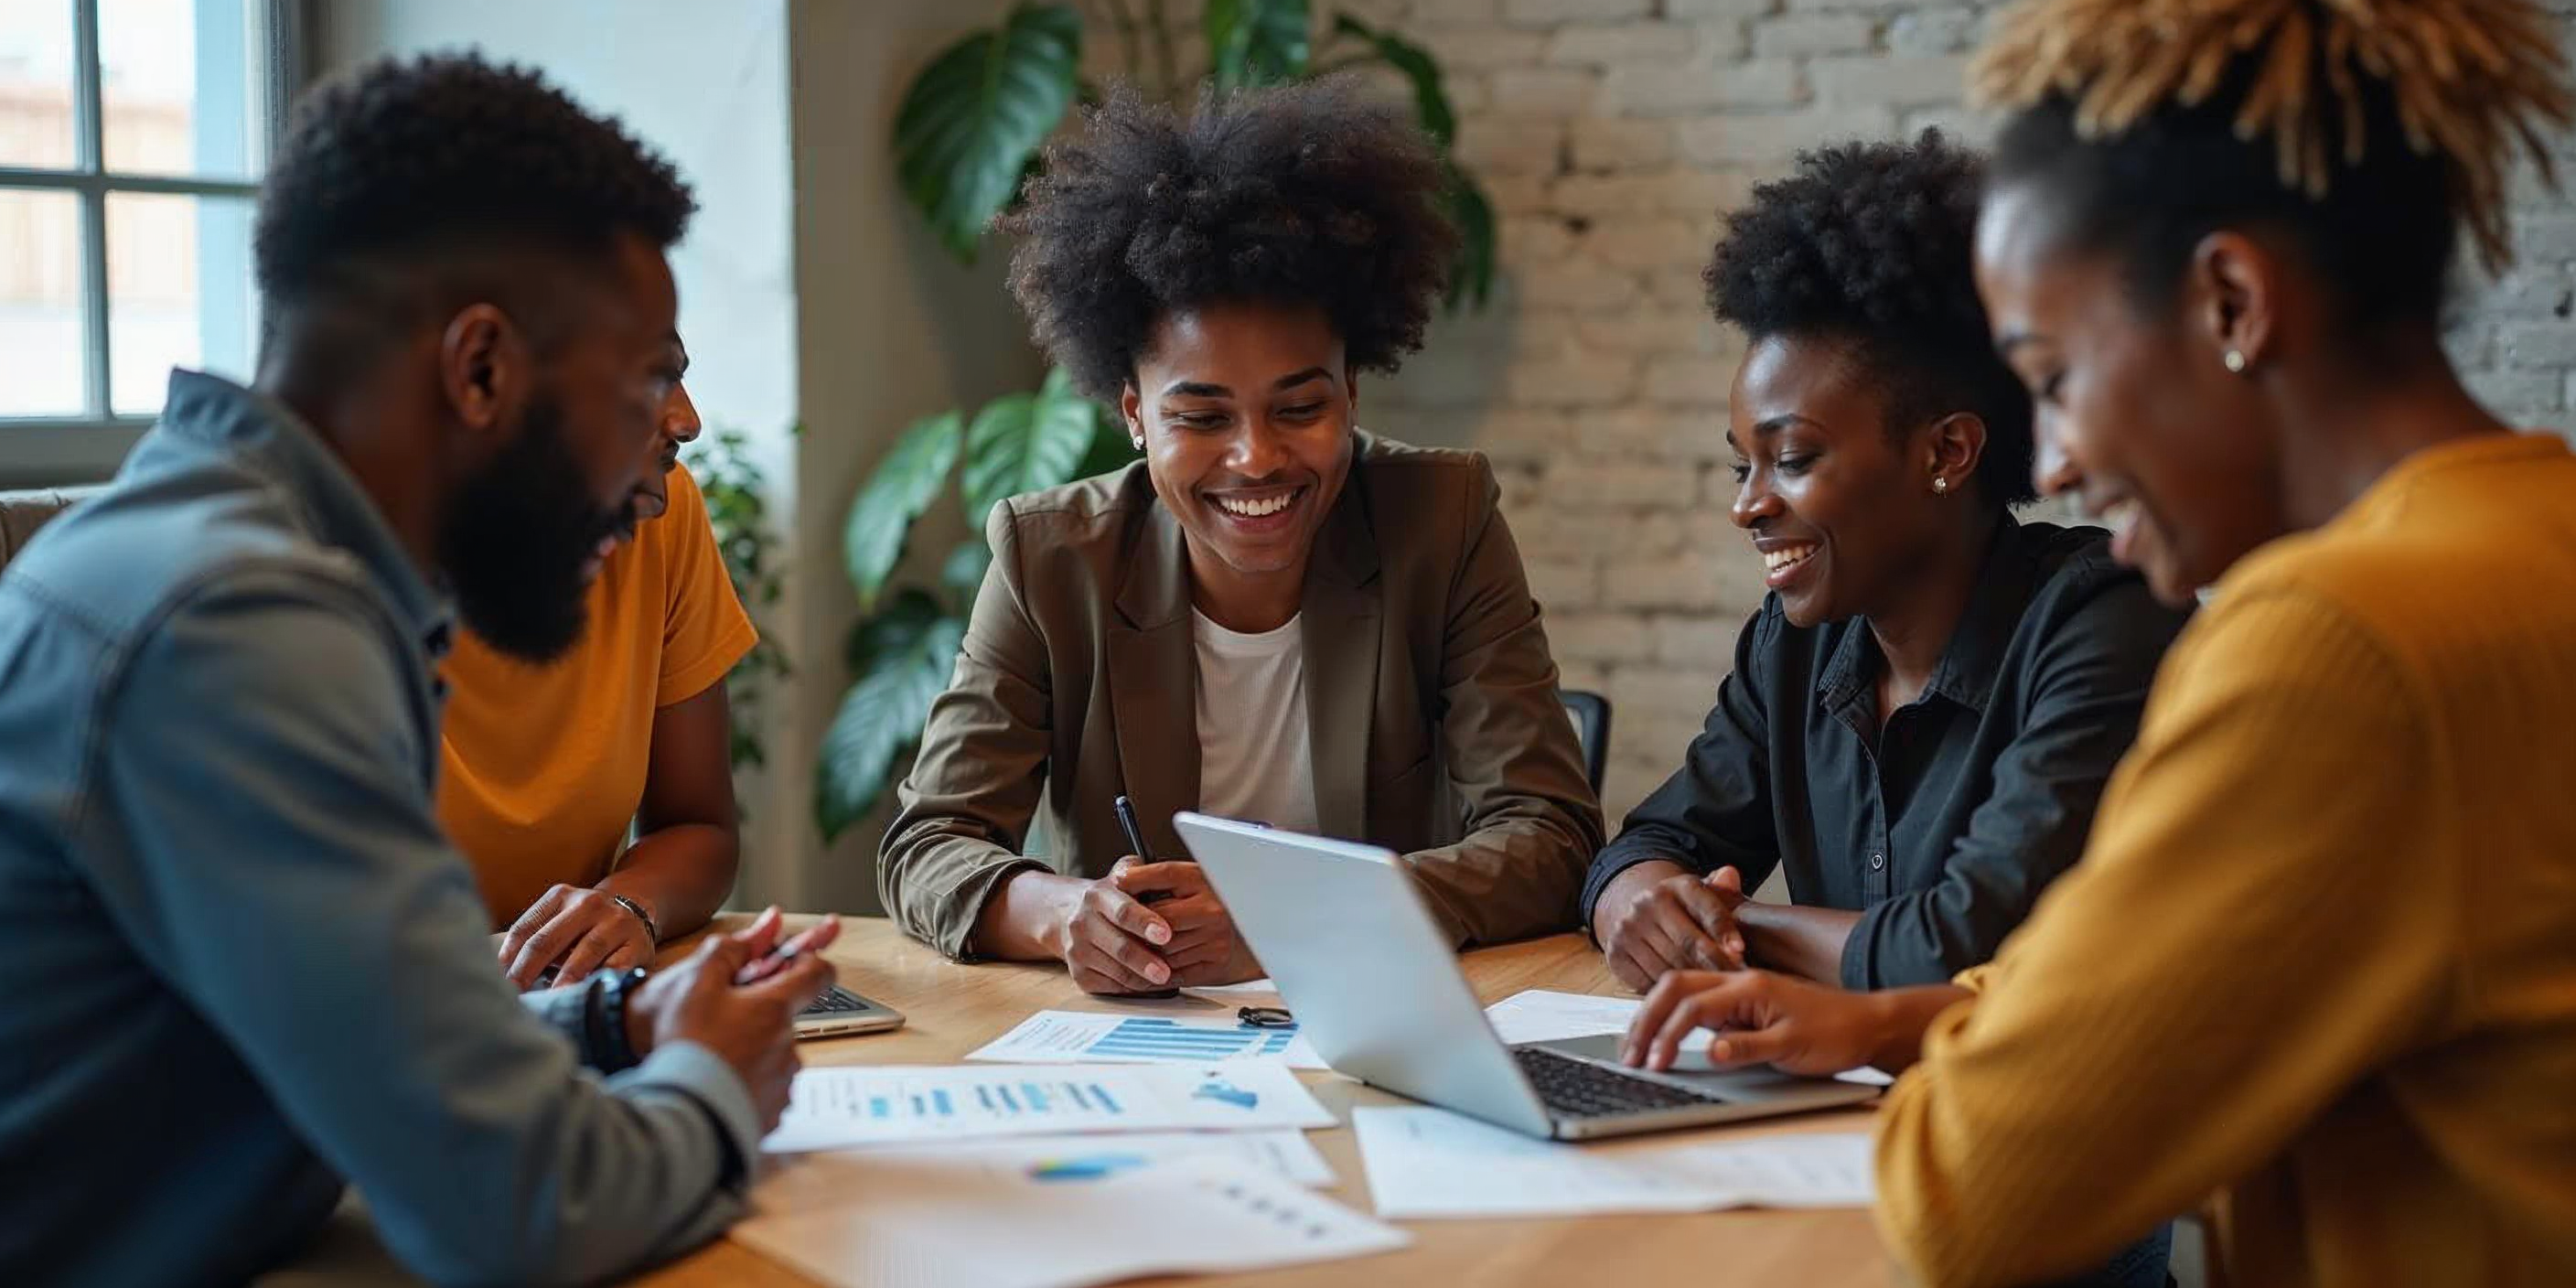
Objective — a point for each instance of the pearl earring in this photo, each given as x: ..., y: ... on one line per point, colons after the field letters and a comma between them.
x: 1940, y: 485
x: 2235, y: 361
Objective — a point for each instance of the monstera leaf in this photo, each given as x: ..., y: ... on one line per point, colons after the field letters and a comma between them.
x: 1430, y: 96
x: 904, y: 485
x: 963, y: 572
x: 972, y: 123
x: 1257, y: 42
x: 1023, y: 442
x: 903, y: 657
x: 1471, y: 279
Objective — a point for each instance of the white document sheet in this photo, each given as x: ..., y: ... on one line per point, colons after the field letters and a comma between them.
x: 1542, y: 1015
x: 934, y: 1221
x: 1231, y: 991
x: 1430, y: 1163
x: 1082, y: 1037
x: 1285, y: 1152
x: 839, y: 1106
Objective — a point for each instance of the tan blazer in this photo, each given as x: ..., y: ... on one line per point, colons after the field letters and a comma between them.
x: 1430, y: 693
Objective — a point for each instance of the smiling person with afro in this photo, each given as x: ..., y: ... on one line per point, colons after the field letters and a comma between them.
x: 1274, y: 615
x: 1927, y: 706
x: 2315, y: 977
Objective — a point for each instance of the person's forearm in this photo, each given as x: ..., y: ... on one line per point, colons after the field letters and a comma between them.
x: 1806, y: 942
x: 681, y: 874
x: 1904, y: 1015
x: 1017, y: 923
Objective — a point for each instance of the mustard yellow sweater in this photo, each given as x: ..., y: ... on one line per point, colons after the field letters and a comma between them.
x: 2318, y: 965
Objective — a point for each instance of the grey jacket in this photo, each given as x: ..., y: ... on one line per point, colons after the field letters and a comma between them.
x: 241, y: 963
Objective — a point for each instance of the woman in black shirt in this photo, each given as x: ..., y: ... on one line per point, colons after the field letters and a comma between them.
x: 1925, y: 711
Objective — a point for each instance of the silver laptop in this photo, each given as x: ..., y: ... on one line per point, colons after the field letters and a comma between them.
x: 1378, y: 992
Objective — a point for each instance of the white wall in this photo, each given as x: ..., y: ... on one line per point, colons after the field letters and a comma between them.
x: 704, y: 82
x: 890, y: 329
x: 808, y: 290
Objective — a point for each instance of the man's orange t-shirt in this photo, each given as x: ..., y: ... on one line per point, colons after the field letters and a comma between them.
x: 542, y: 767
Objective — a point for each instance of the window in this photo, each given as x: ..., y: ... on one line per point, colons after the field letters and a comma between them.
x: 132, y: 134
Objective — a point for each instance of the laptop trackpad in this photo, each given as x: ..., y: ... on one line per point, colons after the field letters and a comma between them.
x: 1692, y: 1069
x: 1605, y: 1047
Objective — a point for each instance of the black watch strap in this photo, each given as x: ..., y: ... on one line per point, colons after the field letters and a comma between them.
x: 609, y: 1041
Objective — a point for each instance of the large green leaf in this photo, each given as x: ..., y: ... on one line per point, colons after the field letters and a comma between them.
x: 972, y: 122
x: 892, y: 631
x: 1430, y: 96
x: 904, y: 485
x: 909, y: 652
x: 1257, y: 42
x: 1110, y: 449
x: 1023, y: 442
x: 963, y: 573
x: 1471, y: 280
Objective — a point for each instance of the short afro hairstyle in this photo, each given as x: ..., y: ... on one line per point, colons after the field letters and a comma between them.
x: 1298, y: 194
x: 398, y: 162
x: 1873, y: 244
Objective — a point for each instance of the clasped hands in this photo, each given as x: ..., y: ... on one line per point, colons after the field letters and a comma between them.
x: 1658, y: 917
x: 1114, y: 942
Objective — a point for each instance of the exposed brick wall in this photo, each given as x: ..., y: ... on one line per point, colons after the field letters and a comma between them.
x: 1611, y: 133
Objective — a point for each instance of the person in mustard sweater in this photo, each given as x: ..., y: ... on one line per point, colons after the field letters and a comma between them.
x: 543, y: 768
x: 2317, y: 966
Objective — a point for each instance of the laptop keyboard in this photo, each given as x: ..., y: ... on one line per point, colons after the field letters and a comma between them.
x: 836, y: 1000
x: 1579, y: 1089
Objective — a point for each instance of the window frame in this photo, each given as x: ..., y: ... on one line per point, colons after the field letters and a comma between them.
x: 51, y: 451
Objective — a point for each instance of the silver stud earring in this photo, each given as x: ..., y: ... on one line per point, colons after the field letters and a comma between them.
x: 2235, y: 360
x: 1940, y: 485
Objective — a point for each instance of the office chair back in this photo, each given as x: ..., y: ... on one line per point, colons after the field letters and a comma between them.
x: 1590, y: 713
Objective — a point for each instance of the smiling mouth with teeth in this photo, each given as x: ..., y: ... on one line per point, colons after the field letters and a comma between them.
x: 1775, y: 560
x: 1255, y: 509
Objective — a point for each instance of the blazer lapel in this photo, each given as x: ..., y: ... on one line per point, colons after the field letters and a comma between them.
x: 1338, y: 626
x: 1153, y: 683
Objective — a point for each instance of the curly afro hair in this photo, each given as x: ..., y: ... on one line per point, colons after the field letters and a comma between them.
x: 1872, y: 243
x: 1305, y: 193
x: 400, y: 161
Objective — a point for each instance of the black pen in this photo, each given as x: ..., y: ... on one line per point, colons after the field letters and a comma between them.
x: 1126, y: 811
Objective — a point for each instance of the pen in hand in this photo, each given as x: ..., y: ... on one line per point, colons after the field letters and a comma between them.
x: 814, y: 938
x: 1126, y: 811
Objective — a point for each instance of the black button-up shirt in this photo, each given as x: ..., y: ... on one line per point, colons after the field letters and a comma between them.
x: 1943, y: 829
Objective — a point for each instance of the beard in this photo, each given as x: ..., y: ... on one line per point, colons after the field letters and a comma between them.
x: 514, y: 539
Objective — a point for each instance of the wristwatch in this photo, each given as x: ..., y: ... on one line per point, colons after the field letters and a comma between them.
x: 652, y: 930
x: 606, y: 1015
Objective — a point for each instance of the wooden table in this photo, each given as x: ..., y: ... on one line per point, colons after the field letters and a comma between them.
x: 954, y: 1009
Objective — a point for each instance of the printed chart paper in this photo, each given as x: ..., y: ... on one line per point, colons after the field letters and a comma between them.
x: 1082, y: 1037
x: 840, y: 1106
x: 1285, y: 1152
x: 930, y: 1221
x: 1428, y: 1163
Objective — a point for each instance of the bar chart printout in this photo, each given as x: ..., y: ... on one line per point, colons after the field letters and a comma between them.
x: 1057, y: 1037
x: 837, y: 1107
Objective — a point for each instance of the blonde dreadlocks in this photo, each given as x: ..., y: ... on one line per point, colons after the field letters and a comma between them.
x: 2468, y: 79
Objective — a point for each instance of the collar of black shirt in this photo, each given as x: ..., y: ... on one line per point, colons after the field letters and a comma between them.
x: 1975, y: 653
